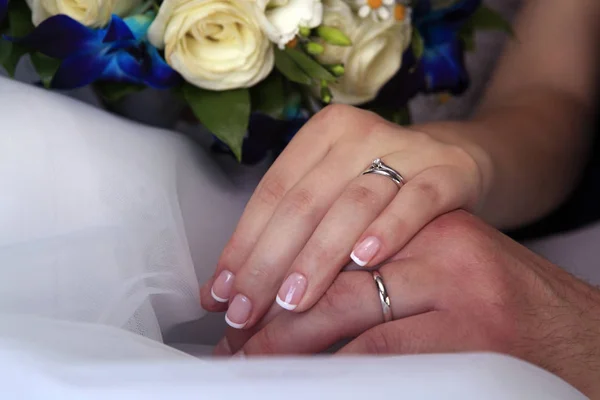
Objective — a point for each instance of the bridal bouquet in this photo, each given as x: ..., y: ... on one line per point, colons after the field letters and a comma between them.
x: 237, y: 61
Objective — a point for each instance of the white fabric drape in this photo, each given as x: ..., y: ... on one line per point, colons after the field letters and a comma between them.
x: 91, y: 215
x: 49, y: 359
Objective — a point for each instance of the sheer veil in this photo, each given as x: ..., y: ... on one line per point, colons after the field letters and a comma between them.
x: 105, y: 220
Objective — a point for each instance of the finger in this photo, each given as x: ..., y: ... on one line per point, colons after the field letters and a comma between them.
x: 330, y: 247
x: 280, y: 178
x: 348, y: 308
x: 306, y: 150
x: 433, y: 332
x: 294, y: 221
x: 327, y: 250
x: 209, y: 299
x: 428, y: 195
x: 234, y: 339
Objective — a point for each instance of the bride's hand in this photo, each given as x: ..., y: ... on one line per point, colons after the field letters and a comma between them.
x: 314, y: 211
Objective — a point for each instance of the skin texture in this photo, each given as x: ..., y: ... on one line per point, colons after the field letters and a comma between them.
x: 532, y: 121
x: 476, y: 289
x: 517, y: 159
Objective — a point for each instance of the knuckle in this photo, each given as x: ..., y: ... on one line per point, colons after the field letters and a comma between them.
x: 362, y: 196
x: 471, y: 247
x: 252, y: 280
x: 428, y: 192
x: 271, y: 191
x: 374, y: 132
x: 459, y: 156
x: 395, y: 223
x: 334, y: 113
x: 456, y: 224
x: 299, y: 202
x: 259, y: 274
x: 230, y: 258
x: 323, y: 251
x: 419, y: 139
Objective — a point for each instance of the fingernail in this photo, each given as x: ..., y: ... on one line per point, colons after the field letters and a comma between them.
x: 239, y: 354
x: 221, y: 288
x: 365, y: 251
x: 222, y: 348
x: 292, y: 291
x: 239, y: 312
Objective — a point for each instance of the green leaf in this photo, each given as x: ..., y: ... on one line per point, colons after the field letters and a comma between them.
x: 467, y: 36
x: 12, y: 59
x: 418, y: 46
x: 469, y: 42
x: 19, y: 19
x: 268, y: 96
x: 45, y: 66
x: 397, y: 116
x: 488, y: 19
x: 290, y: 69
x: 310, y: 65
x: 114, y: 91
x: 403, y: 117
x: 226, y: 114
x: 19, y: 24
x: 5, y: 50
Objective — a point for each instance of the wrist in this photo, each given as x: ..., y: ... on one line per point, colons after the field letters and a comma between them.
x: 569, y: 332
x: 586, y: 342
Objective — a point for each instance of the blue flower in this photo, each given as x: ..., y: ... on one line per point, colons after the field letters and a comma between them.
x: 442, y: 64
x: 3, y: 8
x: 119, y: 53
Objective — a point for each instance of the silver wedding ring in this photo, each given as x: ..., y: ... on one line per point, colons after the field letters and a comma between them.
x: 380, y: 168
x: 384, y: 298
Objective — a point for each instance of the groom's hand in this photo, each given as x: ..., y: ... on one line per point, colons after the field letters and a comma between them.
x: 458, y: 286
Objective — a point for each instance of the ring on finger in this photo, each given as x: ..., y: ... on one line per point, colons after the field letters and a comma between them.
x: 384, y: 297
x: 380, y: 168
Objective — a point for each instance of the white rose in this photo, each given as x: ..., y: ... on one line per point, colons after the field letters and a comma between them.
x: 283, y: 18
x: 93, y: 13
x: 374, y: 57
x: 214, y: 44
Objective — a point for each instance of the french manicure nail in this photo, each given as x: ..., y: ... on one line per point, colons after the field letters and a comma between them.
x: 239, y: 312
x: 365, y: 251
x: 221, y: 288
x: 291, y: 292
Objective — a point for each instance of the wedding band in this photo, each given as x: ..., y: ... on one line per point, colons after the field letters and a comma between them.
x: 384, y: 298
x: 380, y: 168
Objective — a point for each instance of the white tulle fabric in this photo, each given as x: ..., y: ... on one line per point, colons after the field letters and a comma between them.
x: 91, y: 213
